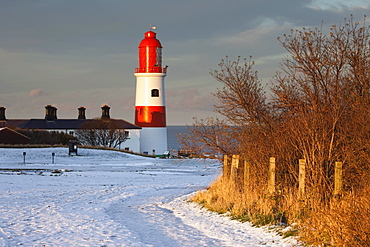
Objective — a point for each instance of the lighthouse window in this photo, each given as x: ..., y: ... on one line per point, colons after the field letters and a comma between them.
x: 155, y: 93
x: 159, y: 57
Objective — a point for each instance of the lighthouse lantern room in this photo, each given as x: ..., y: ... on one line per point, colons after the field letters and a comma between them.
x: 150, y: 106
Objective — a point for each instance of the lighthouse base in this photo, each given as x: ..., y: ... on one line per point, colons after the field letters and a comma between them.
x: 153, y: 141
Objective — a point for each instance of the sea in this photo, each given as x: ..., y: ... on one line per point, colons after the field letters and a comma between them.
x: 172, y: 132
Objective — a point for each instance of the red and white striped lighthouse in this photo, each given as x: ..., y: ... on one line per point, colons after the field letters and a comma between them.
x: 150, y: 106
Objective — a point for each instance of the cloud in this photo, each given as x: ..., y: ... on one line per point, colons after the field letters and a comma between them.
x: 338, y: 5
x: 271, y: 59
x: 189, y: 100
x: 265, y: 26
x: 38, y: 93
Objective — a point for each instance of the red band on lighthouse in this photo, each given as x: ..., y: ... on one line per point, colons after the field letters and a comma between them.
x: 150, y: 116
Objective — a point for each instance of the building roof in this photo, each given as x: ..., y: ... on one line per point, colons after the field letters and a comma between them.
x: 9, y: 136
x: 69, y: 124
x: 12, y: 122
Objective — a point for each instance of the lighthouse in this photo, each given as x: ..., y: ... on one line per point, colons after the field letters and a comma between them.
x: 150, y: 104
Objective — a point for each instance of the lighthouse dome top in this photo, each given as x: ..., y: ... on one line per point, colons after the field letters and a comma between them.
x: 150, y: 40
x: 150, y: 54
x: 150, y: 34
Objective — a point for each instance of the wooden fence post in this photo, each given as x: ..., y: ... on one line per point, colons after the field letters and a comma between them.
x: 271, y: 182
x: 246, y: 175
x: 225, y: 167
x: 234, y: 167
x: 338, y: 181
x: 301, y: 178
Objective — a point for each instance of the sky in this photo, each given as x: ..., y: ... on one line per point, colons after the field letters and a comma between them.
x: 72, y: 53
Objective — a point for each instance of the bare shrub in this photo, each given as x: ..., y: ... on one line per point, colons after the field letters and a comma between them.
x: 101, y: 132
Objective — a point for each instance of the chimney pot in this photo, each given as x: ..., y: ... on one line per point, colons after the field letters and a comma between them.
x: 51, y: 113
x: 105, y: 112
x: 81, y: 112
x: 2, y: 113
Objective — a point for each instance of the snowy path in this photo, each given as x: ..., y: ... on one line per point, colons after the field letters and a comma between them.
x: 106, y: 198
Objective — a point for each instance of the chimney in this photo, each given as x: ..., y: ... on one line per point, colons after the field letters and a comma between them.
x: 81, y: 112
x: 2, y: 113
x: 51, y: 113
x: 105, y: 112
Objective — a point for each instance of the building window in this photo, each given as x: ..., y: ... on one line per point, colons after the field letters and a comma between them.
x: 127, y: 134
x: 155, y: 93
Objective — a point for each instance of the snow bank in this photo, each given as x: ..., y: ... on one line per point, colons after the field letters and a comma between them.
x: 109, y: 198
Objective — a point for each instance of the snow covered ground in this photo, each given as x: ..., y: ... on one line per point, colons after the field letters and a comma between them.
x: 108, y: 198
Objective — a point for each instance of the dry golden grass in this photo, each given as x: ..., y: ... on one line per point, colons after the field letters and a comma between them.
x: 343, y: 222
x: 338, y: 222
x: 223, y: 196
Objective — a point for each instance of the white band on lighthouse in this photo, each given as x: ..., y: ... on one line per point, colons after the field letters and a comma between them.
x: 146, y: 86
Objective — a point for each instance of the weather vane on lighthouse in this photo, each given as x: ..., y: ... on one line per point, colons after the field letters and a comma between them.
x: 150, y: 104
x: 152, y: 27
